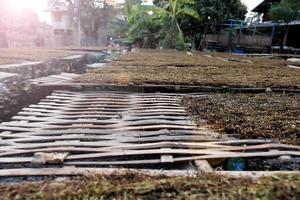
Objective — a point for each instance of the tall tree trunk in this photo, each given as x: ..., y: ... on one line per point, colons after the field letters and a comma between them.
x: 203, y: 40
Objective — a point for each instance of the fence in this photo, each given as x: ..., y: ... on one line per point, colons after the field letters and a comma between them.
x: 240, y: 40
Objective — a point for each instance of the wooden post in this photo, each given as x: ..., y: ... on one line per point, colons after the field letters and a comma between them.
x: 229, y: 40
x: 166, y: 158
x: 203, y: 166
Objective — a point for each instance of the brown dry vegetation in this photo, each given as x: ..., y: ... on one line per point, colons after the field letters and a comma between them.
x: 143, y: 187
x: 19, y: 55
x: 180, y: 68
x: 268, y: 115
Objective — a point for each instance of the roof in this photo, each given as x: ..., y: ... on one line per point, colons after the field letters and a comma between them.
x: 264, y: 6
x: 57, y: 5
x: 271, y: 24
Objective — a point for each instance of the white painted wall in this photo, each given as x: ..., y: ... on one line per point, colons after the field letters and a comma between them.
x: 63, y: 24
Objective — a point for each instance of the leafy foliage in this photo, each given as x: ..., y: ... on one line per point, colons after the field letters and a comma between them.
x: 118, y: 27
x: 144, y: 26
x: 172, y: 23
x: 220, y: 10
x: 286, y: 11
x: 94, y: 16
x: 151, y: 25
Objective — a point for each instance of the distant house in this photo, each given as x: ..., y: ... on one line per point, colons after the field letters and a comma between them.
x: 251, y: 36
x: 293, y: 40
x: 61, y: 17
x: 238, y: 36
x: 264, y: 8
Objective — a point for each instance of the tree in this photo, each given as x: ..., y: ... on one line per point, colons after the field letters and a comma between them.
x: 118, y: 26
x: 135, y: 23
x: 161, y: 21
x: 212, y: 12
x: 285, y: 11
x: 94, y: 17
x: 177, y: 11
x: 144, y: 27
x: 179, y: 21
x: 220, y: 10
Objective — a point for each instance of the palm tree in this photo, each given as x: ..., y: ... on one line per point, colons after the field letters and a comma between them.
x: 143, y: 27
x: 161, y: 22
x: 173, y: 11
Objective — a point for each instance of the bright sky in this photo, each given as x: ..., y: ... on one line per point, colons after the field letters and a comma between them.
x: 40, y: 5
x: 36, y: 5
x: 251, y: 3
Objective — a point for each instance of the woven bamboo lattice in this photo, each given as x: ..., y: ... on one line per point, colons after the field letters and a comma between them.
x: 110, y: 129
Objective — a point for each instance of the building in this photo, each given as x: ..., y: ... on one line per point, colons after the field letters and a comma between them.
x: 262, y: 36
x: 287, y: 38
x: 239, y: 36
x: 264, y: 7
x: 62, y: 27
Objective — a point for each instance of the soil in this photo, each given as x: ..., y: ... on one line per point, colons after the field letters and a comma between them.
x: 166, y: 67
x: 143, y: 187
x: 266, y: 115
x: 275, y: 164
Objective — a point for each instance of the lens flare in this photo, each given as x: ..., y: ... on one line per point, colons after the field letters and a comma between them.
x: 35, y: 5
x: 16, y: 7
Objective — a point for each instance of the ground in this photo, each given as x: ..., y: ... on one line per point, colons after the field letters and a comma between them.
x: 143, y: 187
x: 19, y: 55
x: 203, y: 69
x: 266, y: 115
x: 274, y: 116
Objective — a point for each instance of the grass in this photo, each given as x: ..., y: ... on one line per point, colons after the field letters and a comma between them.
x: 163, y: 67
x: 143, y: 187
x: 267, y: 115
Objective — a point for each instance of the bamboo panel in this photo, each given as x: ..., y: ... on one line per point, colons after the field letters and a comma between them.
x: 104, y: 129
x: 58, y: 79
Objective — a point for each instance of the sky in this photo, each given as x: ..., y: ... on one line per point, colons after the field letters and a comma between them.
x: 251, y: 3
x: 39, y: 6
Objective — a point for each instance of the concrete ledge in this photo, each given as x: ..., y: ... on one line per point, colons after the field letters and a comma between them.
x: 15, y: 88
x: 30, y: 70
x: 4, y: 76
x: 74, y: 171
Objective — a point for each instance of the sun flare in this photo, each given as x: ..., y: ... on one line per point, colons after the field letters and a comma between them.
x: 36, y: 5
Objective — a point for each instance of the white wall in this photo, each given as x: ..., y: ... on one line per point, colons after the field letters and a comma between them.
x: 63, y: 24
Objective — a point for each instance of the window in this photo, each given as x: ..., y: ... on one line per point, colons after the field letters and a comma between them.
x: 57, y: 17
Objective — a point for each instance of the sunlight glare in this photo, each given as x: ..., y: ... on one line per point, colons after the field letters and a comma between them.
x: 25, y: 4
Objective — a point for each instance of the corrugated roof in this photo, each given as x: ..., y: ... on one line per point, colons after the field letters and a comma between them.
x: 264, y: 6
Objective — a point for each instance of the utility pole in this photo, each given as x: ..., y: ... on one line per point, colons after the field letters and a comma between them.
x: 76, y: 23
